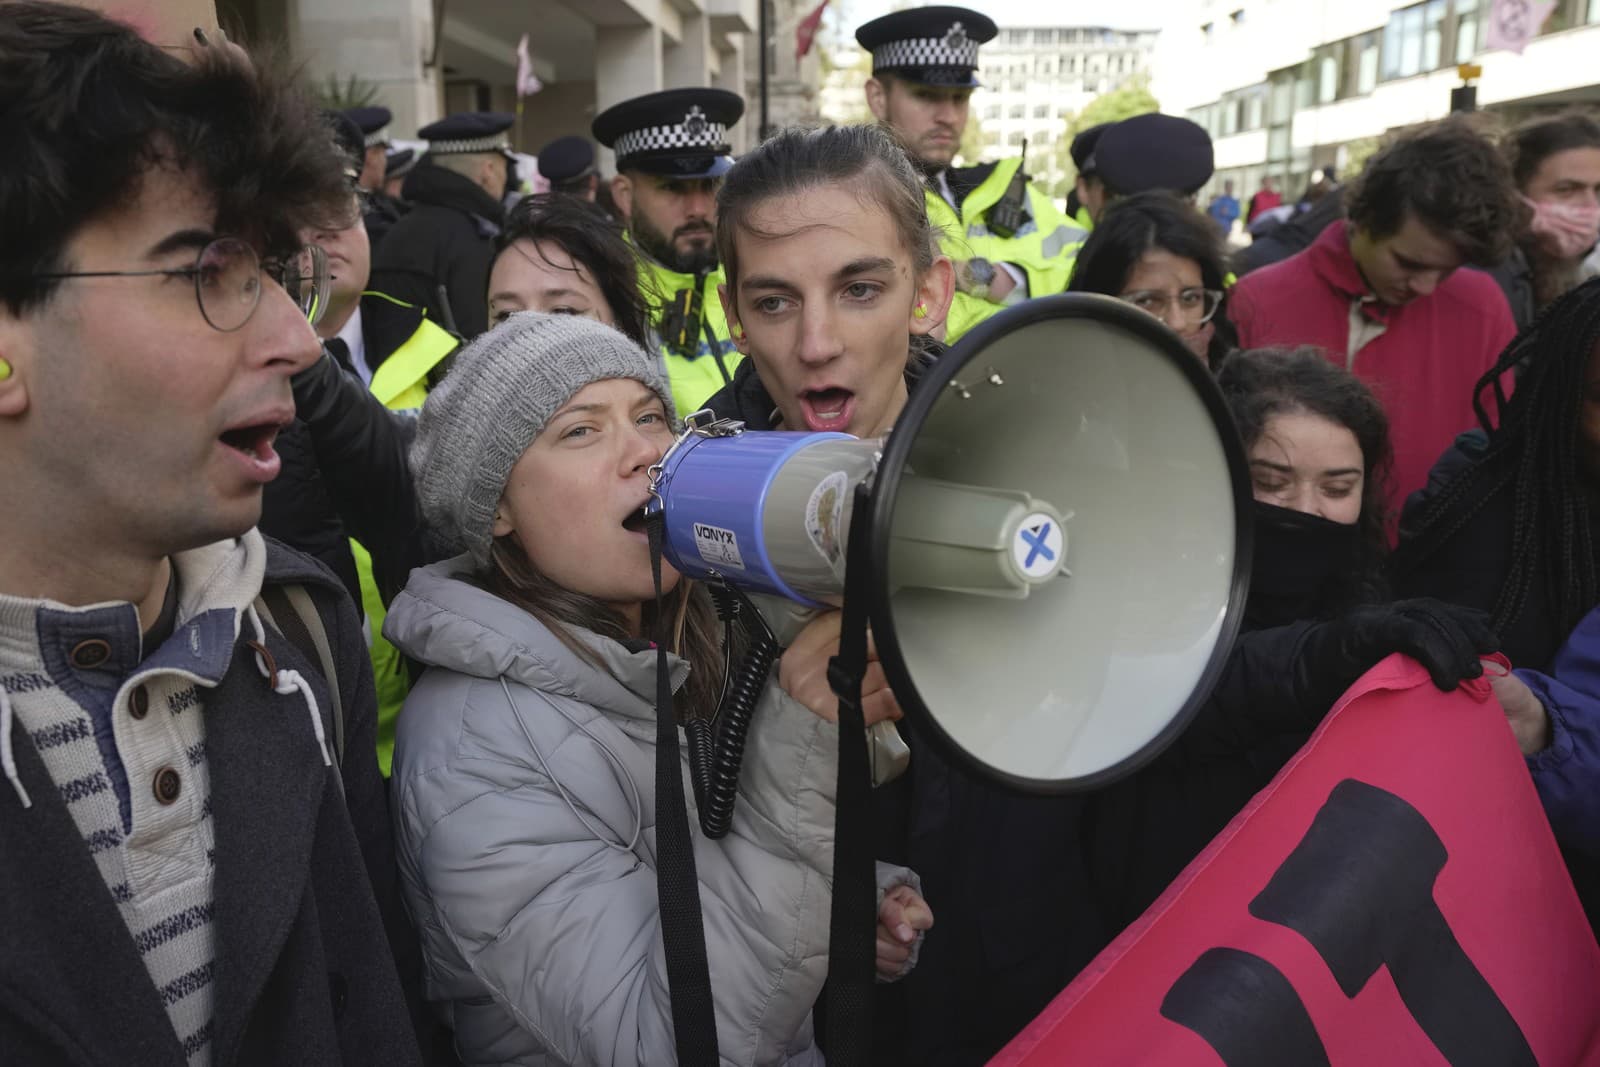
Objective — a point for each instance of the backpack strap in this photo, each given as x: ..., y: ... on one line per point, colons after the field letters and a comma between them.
x: 291, y: 611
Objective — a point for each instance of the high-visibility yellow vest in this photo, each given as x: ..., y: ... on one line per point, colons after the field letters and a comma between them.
x: 698, y: 374
x: 1044, y: 248
x: 401, y: 383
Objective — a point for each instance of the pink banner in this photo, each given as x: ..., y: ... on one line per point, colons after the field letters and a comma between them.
x: 1394, y: 896
x: 1513, y: 23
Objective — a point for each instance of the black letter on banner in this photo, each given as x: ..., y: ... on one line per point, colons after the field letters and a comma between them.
x: 1359, y: 887
x: 1246, y: 1010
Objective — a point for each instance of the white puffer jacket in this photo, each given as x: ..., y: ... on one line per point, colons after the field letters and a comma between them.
x: 526, y: 838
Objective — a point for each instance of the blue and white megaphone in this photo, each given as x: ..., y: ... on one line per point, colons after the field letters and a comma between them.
x: 1058, y: 540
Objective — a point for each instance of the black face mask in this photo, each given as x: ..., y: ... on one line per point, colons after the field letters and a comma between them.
x: 1301, y: 565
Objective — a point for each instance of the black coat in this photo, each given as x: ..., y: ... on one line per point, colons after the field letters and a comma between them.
x: 447, y: 238
x: 306, y: 908
x: 383, y: 211
x: 1470, y: 567
x: 361, y: 449
x: 315, y: 506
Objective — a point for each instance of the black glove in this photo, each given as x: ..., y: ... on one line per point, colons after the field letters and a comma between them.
x: 1445, y: 638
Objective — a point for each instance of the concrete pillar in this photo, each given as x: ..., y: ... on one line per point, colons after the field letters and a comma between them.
x: 689, y: 62
x: 628, y: 62
x: 381, y: 42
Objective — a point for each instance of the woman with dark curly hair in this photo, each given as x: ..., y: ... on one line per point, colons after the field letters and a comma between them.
x: 562, y: 255
x: 1159, y: 254
x: 1318, y: 445
x: 1318, y: 616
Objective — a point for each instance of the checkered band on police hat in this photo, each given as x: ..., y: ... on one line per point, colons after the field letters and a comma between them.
x: 497, y: 143
x: 378, y: 137
x: 954, y: 49
x: 695, y: 132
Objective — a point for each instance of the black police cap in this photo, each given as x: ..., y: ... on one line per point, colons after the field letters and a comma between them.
x: 470, y: 131
x: 399, y: 163
x: 1153, y: 152
x: 566, y: 159
x: 347, y: 135
x: 373, y: 122
x: 1083, y: 146
x: 935, y: 46
x: 680, y: 133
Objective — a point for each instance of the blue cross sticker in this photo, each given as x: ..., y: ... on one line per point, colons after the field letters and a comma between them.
x: 1035, y: 537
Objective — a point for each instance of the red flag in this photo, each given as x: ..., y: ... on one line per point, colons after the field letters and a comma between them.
x: 806, y: 33
x: 1396, y: 887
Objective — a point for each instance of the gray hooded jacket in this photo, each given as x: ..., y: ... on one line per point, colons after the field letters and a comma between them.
x: 525, y: 807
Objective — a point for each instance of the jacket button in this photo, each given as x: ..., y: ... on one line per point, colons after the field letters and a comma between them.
x: 167, y: 785
x: 339, y: 992
x: 87, y: 655
x: 139, y: 702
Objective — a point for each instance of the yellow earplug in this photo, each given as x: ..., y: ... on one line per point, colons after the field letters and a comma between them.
x: 920, y: 311
x: 5, y: 370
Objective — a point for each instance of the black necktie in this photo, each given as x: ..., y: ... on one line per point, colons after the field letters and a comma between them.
x: 340, y: 353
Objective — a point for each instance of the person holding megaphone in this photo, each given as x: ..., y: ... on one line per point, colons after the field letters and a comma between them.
x: 834, y: 289
x: 528, y: 832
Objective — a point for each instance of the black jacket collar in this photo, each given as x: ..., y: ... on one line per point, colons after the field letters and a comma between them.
x: 433, y: 185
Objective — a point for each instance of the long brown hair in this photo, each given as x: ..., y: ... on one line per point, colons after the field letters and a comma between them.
x: 695, y: 633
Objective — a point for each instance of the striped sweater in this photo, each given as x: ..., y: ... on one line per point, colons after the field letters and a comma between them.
x: 121, y: 730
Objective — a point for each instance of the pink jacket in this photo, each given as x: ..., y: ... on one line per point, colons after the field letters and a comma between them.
x: 1422, y: 366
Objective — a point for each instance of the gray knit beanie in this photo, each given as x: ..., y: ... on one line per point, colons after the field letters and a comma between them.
x: 501, y: 391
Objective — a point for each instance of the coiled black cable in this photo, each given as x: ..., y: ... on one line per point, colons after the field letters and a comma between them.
x: 716, y: 745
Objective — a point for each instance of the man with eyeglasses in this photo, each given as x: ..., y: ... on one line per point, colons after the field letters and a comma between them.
x: 198, y: 861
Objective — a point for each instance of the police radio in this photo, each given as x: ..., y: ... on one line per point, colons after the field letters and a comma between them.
x: 1011, y: 212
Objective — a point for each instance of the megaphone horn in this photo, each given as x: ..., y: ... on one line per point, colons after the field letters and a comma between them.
x: 1059, y: 538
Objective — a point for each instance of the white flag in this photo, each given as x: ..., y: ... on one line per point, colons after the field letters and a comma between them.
x: 528, y: 83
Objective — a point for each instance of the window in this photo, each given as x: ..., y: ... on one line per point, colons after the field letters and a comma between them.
x: 1017, y: 111
x: 1327, y: 77
x: 1014, y: 138
x: 992, y: 111
x: 1230, y: 117
x: 1403, y: 39
x: 1237, y: 17
x: 1433, y: 34
x: 1255, y: 107
x: 1045, y: 37
x: 1041, y: 111
x: 1207, y: 31
x: 1367, y: 49
x: 1468, y: 26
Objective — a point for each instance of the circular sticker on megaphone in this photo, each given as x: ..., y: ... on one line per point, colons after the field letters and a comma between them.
x: 1038, y: 546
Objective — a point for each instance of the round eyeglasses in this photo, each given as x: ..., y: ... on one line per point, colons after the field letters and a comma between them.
x: 227, y: 280
x: 1195, y: 306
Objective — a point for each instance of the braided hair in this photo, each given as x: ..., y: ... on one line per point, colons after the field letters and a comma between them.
x: 1533, y: 453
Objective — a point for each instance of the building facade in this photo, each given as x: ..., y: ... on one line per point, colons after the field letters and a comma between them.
x: 589, y: 54
x: 1286, y: 89
x: 1036, y: 77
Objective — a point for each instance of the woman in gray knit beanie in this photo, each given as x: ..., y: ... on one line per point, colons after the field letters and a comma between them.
x: 524, y: 763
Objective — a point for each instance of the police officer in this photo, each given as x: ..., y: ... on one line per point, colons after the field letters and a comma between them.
x: 1082, y: 152
x: 672, y: 150
x: 397, y: 164
x: 447, y: 238
x: 1008, y: 240
x: 380, y: 211
x: 1140, y: 154
x: 568, y: 164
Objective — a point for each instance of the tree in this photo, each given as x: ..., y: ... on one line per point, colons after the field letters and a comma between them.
x: 1132, y: 97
